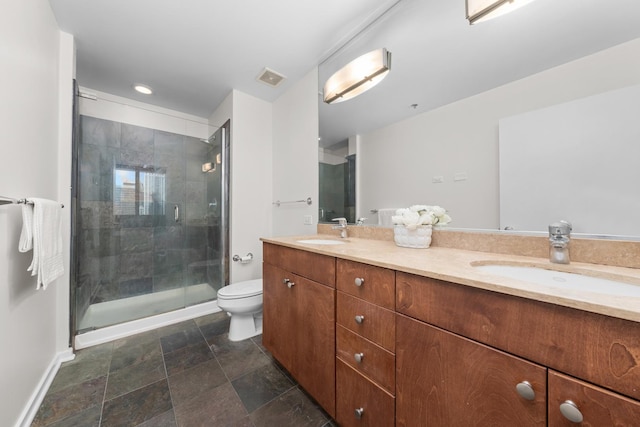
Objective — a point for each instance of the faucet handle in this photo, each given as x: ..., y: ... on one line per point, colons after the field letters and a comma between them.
x: 341, y: 221
x: 560, y: 228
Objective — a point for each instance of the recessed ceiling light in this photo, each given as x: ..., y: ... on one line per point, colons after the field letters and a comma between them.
x: 143, y: 89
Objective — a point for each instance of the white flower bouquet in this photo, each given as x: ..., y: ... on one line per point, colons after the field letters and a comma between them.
x: 418, y: 215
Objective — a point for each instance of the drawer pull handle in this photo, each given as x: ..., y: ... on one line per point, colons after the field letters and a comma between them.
x: 285, y: 281
x: 359, y: 412
x: 359, y: 319
x: 359, y: 281
x: 571, y: 412
x: 526, y: 391
x: 358, y: 357
x: 290, y: 284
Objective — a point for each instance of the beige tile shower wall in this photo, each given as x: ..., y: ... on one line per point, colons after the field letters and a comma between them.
x: 596, y: 251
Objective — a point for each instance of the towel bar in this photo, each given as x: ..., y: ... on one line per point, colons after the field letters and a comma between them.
x: 278, y: 202
x: 11, y: 201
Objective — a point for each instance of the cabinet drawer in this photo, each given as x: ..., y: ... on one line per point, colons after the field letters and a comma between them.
x: 357, y: 392
x: 370, y: 283
x: 373, y: 361
x: 378, y: 324
x: 447, y: 380
x: 599, y: 407
x: 600, y: 349
x: 319, y: 268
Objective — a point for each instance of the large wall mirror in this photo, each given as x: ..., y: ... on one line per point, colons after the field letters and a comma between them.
x: 430, y: 133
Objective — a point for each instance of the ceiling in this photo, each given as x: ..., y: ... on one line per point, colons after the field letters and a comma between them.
x: 194, y: 52
x: 438, y: 58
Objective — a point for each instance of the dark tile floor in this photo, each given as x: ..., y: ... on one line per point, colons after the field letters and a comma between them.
x: 187, y: 374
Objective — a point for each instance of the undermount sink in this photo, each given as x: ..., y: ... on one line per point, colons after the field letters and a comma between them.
x: 565, y: 280
x: 321, y: 242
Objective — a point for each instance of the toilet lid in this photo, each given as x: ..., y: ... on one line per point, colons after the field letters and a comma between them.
x: 248, y: 288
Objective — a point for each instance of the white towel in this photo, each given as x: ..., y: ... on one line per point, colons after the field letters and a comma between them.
x: 26, y: 236
x: 384, y: 217
x: 45, y: 238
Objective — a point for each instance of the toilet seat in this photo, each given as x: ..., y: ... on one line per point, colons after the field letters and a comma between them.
x: 239, y: 290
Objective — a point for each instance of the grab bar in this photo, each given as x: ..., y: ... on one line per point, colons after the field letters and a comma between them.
x: 11, y: 201
x: 307, y: 201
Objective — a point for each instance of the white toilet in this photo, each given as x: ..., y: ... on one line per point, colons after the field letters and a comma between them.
x: 243, y: 302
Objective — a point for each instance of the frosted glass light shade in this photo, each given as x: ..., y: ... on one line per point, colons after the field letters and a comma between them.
x: 483, y: 10
x: 357, y: 76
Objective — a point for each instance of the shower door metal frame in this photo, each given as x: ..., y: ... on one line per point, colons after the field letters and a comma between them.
x: 225, y: 147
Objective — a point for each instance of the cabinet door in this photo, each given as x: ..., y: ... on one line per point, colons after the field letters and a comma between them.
x: 299, y: 331
x: 279, y: 311
x: 315, y: 340
x: 598, y: 407
x: 447, y: 380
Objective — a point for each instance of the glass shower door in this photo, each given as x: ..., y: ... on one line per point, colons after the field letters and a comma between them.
x: 207, y: 233
x: 151, y: 222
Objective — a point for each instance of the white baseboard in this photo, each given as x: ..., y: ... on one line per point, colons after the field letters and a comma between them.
x: 31, y: 408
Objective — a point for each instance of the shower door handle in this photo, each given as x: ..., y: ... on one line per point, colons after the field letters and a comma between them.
x: 176, y: 213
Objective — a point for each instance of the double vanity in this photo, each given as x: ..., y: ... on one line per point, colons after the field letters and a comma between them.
x: 380, y: 335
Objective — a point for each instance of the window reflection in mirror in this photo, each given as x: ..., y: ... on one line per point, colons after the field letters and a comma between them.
x: 138, y: 190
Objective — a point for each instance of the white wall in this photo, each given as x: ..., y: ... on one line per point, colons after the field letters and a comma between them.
x: 397, y: 163
x: 124, y: 110
x: 295, y: 156
x: 32, y: 323
x: 250, y: 192
x: 67, y: 71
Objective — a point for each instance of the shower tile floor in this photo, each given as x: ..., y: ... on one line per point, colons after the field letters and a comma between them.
x: 187, y: 374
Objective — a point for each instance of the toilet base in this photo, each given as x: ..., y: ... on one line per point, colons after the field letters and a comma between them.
x: 245, y: 326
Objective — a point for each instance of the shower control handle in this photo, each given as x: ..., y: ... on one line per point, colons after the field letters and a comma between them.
x: 176, y: 213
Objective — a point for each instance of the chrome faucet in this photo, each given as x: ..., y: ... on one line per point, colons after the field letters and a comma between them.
x: 559, y: 238
x: 342, y: 226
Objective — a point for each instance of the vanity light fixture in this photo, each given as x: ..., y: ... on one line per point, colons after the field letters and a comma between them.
x: 483, y: 10
x: 143, y: 89
x: 357, y: 76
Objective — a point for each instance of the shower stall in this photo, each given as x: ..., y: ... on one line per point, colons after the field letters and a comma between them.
x: 150, y: 221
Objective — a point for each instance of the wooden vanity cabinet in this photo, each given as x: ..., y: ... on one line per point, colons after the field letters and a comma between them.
x: 299, y: 318
x: 365, y: 346
x: 447, y: 380
x: 592, y: 360
x: 378, y: 347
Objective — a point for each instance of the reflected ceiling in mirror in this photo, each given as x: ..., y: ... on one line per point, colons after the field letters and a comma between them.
x: 439, y: 61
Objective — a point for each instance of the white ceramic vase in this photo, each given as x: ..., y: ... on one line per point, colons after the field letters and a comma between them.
x: 418, y: 238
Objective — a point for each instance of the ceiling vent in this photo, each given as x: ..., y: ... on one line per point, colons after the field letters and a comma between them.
x: 270, y: 77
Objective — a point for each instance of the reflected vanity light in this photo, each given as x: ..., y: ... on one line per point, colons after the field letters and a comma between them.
x: 483, y: 10
x: 357, y: 76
